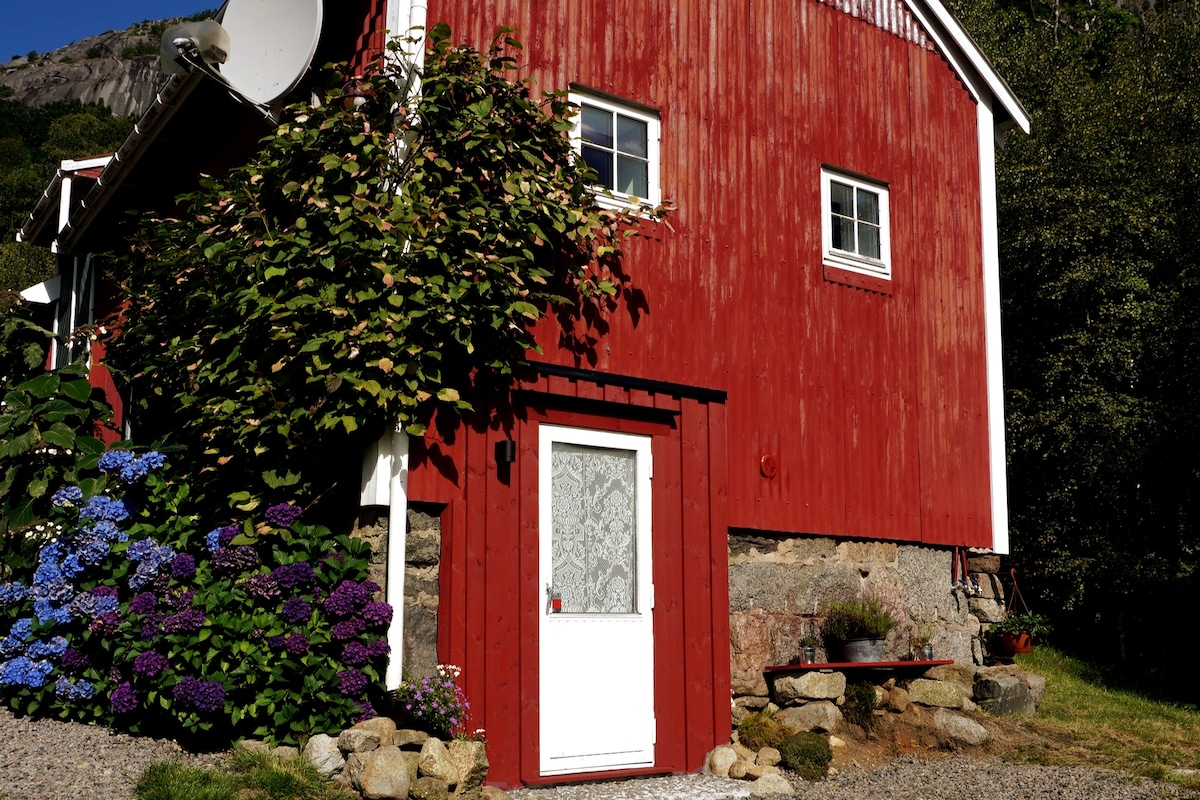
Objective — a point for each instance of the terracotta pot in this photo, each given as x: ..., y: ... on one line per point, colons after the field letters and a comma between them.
x: 1016, y: 643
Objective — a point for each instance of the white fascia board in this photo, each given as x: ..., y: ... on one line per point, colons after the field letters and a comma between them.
x: 967, y: 59
x: 45, y: 292
x: 76, y: 164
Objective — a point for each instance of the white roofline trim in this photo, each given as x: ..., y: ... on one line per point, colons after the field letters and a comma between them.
x: 952, y: 39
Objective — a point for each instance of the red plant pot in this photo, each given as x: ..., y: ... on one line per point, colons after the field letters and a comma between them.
x: 1016, y: 643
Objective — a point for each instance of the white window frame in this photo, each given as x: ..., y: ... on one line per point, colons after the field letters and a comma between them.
x: 608, y: 197
x: 844, y: 259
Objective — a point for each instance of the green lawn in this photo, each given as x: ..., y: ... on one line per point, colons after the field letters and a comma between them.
x: 1084, y: 721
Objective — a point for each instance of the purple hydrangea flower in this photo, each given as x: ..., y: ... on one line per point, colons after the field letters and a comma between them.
x: 295, y: 610
x: 189, y: 620
x: 123, y: 698
x: 181, y: 600
x: 282, y: 515
x: 297, y: 644
x: 234, y: 559
x: 74, y: 660
x: 379, y: 647
x: 348, y: 629
x: 184, y: 567
x: 349, y: 597
x: 149, y: 664
x: 355, y: 654
x: 377, y: 614
x: 106, y: 623
x: 366, y: 711
x: 143, y: 603
x: 290, y: 576
x: 261, y: 586
x: 276, y: 642
x: 352, y: 683
x: 193, y: 693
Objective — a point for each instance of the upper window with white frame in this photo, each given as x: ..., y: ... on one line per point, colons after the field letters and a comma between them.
x: 854, y: 227
x: 620, y: 142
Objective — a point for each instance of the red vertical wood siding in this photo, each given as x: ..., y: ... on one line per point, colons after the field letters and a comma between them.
x: 874, y: 403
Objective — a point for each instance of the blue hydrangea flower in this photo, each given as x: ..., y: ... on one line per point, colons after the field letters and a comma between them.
x: 52, y: 648
x: 51, y: 553
x: 101, y: 508
x: 115, y: 460
x: 78, y: 689
x: 23, y: 671
x: 89, y: 605
x: 68, y: 497
x: 45, y: 611
x: 12, y: 593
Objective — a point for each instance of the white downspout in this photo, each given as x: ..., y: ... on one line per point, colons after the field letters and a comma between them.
x: 986, y: 130
x: 398, y: 461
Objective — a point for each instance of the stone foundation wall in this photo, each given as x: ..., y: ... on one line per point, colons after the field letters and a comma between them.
x: 423, y: 552
x: 777, y: 586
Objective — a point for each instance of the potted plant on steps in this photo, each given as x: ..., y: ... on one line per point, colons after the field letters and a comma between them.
x: 808, y: 649
x: 1016, y: 633
x: 922, y: 639
x: 859, y: 626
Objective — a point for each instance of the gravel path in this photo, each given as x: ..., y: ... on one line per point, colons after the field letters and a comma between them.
x: 45, y: 759
x: 52, y: 760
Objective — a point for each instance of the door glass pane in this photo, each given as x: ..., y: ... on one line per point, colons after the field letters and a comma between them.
x: 593, y: 496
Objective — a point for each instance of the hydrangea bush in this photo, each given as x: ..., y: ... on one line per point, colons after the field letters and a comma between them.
x: 136, y: 617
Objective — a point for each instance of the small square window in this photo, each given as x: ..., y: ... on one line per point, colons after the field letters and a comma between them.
x: 854, y: 227
x: 620, y: 142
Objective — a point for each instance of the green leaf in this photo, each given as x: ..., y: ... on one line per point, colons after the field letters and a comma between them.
x: 78, y: 390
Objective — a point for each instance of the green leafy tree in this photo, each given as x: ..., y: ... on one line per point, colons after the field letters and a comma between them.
x: 1099, y: 278
x: 328, y: 288
x: 47, y: 422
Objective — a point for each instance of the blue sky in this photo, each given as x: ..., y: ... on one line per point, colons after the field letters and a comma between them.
x: 44, y: 25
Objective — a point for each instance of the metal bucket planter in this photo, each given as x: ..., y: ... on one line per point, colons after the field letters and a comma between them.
x: 857, y: 650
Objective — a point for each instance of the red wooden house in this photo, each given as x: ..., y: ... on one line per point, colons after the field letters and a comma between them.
x: 819, y: 351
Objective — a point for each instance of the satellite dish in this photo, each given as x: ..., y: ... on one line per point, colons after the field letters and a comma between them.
x: 193, y: 43
x: 271, y: 45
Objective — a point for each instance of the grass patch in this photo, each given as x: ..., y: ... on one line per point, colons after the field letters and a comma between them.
x: 251, y: 776
x: 1084, y: 721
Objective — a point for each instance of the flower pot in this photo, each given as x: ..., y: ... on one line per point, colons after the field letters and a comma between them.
x: 857, y: 650
x: 808, y: 655
x: 1016, y: 643
x: 924, y: 652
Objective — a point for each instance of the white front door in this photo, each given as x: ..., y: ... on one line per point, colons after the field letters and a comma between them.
x: 597, y: 632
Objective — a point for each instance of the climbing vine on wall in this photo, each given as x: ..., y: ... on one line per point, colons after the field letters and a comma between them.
x: 328, y: 288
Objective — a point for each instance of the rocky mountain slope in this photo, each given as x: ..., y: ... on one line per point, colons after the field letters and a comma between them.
x: 119, y: 68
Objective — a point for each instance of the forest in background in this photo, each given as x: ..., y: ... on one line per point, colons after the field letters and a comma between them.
x: 1101, y: 309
